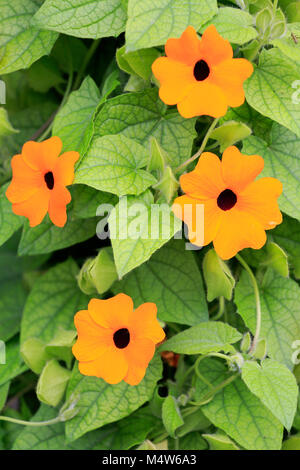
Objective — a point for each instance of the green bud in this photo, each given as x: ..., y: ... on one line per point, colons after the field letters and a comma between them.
x: 246, y: 342
x: 218, y: 277
x: 122, y: 62
x: 260, y: 351
x: 263, y: 20
x: 52, y: 383
x: 251, y: 50
x: 279, y: 25
x: 229, y: 133
x: 168, y: 184
x: 219, y: 442
x: 158, y: 157
x: 33, y: 352
x: 156, y: 403
x: 60, y: 347
x: 135, y: 84
x: 5, y: 126
x: 277, y: 259
x: 98, y: 274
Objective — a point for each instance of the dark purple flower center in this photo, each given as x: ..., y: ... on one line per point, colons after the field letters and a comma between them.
x: 122, y: 338
x: 49, y: 179
x: 201, y: 70
x: 227, y: 200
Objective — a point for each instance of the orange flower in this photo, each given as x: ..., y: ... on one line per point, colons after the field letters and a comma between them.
x: 237, y: 209
x: 39, y: 181
x: 200, y: 75
x: 116, y: 342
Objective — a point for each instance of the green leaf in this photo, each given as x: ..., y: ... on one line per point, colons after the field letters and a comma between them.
x: 172, y: 280
x: 86, y: 200
x: 137, y: 222
x: 171, y: 415
x: 137, y: 62
x: 117, y: 436
x: 275, y: 386
x: 280, y: 307
x: 9, y: 222
x: 52, y: 303
x: 192, y: 441
x: 3, y: 394
x: 5, y: 126
x: 214, y: 372
x: 113, y: 163
x: 81, y: 18
x: 220, y: 442
x: 151, y: 24
x: 288, y: 47
x: 101, y: 403
x: 292, y: 443
x: 241, y: 415
x: 230, y: 133
x: 44, y: 74
x: 12, y: 295
x: 21, y: 44
x: 282, y: 162
x: 202, y: 339
x: 287, y: 236
x: 13, y: 365
x: 270, y: 89
x: 143, y: 115
x: 72, y: 121
x: 46, y: 237
x: 234, y: 25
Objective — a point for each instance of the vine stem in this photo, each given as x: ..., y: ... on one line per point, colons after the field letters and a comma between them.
x: 31, y: 423
x: 203, y: 145
x: 257, y: 301
x: 85, y: 63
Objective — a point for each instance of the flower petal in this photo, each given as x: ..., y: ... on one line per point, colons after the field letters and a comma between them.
x: 238, y: 230
x: 42, y: 155
x: 175, y: 79
x: 143, y: 323
x: 260, y: 200
x: 59, y: 198
x: 213, y: 48
x: 239, y: 170
x: 229, y: 76
x: 25, y: 181
x: 111, y: 313
x: 35, y: 208
x: 185, y: 49
x: 205, y: 181
x: 112, y: 366
x: 138, y: 354
x: 64, y: 168
x: 203, y: 98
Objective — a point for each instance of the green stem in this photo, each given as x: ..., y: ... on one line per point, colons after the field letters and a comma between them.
x: 221, y: 309
x: 203, y: 145
x: 65, y: 97
x: 31, y: 423
x: 209, y: 396
x: 257, y: 301
x: 85, y: 63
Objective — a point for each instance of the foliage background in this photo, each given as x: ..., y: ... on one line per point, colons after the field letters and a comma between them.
x: 82, y: 70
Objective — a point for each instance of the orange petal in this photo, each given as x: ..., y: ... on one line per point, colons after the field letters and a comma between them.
x: 35, y: 208
x: 175, y: 79
x: 138, y: 354
x: 238, y: 230
x: 143, y: 323
x: 239, y: 170
x: 260, y: 200
x: 213, y: 48
x: 191, y: 211
x: 59, y: 198
x: 64, y: 168
x: 205, y: 181
x: 112, y: 366
x: 42, y: 155
x: 111, y: 313
x: 25, y: 181
x: 229, y: 76
x: 93, y: 340
x: 185, y: 49
x: 203, y: 98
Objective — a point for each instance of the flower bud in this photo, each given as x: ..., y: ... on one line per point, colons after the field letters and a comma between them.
x: 218, y: 277
x: 98, y: 274
x: 33, y: 352
x: 52, y: 383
